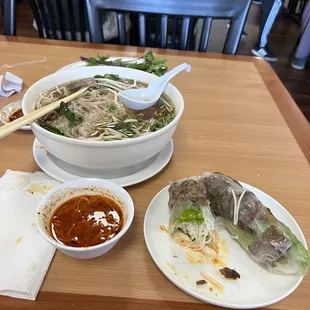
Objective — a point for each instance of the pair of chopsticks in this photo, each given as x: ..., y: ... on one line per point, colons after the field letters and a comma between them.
x: 33, y: 116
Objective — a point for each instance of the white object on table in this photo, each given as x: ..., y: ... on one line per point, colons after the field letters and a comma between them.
x: 24, y: 255
x: 9, y: 84
x: 26, y: 63
x: 143, y: 98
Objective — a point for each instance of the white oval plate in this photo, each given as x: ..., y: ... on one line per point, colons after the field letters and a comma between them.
x: 256, y: 288
x: 49, y: 167
x: 81, y: 63
x: 8, y: 110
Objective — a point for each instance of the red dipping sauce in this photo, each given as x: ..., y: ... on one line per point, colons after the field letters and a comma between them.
x: 15, y: 115
x: 86, y: 220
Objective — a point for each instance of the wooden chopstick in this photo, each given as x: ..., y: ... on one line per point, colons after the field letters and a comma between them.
x: 36, y: 114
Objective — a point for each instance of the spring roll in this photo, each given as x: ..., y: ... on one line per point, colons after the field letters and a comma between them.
x: 269, y: 242
x: 191, y: 220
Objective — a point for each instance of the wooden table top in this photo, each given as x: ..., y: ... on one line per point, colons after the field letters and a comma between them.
x: 238, y: 119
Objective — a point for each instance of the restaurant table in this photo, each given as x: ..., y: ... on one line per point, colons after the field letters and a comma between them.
x: 239, y: 119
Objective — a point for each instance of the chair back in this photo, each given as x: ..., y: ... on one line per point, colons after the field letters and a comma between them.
x: 60, y: 19
x: 9, y: 17
x: 182, y: 13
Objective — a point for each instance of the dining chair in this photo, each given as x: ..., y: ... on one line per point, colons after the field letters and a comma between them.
x: 184, y: 13
x: 9, y: 26
x: 60, y: 19
x: 295, y: 8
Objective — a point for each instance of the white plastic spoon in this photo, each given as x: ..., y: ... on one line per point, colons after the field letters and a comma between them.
x: 143, y: 98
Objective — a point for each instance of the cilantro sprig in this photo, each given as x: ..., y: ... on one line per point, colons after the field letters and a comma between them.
x: 69, y: 114
x: 150, y: 64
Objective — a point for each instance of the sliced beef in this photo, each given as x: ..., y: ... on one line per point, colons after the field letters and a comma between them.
x: 230, y: 273
x: 271, y: 246
x: 187, y: 190
x: 219, y: 191
x: 201, y: 282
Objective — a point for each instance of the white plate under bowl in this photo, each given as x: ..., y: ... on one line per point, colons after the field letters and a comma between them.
x: 8, y: 110
x: 45, y: 162
x: 79, y: 64
x: 256, y: 288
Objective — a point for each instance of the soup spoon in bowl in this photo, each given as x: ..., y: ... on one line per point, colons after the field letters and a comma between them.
x: 143, y: 98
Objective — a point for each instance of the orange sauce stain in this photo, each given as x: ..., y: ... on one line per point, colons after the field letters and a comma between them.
x: 217, y: 256
x: 162, y: 228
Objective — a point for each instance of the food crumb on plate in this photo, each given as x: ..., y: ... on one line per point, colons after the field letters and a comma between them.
x: 201, y: 282
x: 162, y: 228
x: 19, y: 239
x: 215, y: 284
x: 229, y: 273
x: 171, y: 266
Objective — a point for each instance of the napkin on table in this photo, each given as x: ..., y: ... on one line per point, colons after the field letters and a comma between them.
x: 9, y: 84
x: 24, y: 255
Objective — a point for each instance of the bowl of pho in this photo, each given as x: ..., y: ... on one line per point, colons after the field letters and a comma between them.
x: 96, y: 132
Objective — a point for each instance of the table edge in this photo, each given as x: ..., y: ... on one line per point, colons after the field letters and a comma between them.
x: 54, y: 300
x: 294, y: 118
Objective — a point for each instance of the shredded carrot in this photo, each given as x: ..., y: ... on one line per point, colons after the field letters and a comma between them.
x: 211, y: 280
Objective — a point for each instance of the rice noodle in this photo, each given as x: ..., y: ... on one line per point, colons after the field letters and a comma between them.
x: 103, y: 116
x: 211, y: 280
x: 201, y: 234
x: 236, y: 205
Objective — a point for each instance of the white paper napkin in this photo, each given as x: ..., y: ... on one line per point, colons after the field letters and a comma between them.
x: 9, y: 84
x: 24, y: 255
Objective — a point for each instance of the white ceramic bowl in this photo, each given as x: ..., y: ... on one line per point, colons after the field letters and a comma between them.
x: 113, y: 158
x: 78, y: 187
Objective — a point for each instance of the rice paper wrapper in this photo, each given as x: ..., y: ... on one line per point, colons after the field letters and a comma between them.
x: 269, y: 242
x: 191, y: 221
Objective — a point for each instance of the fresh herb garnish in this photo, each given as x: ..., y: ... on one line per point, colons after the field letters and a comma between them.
x: 113, y: 77
x: 69, y: 114
x: 149, y: 57
x: 91, y: 62
x: 160, y: 103
x: 112, y: 107
x: 191, y: 215
x: 150, y: 64
x: 51, y: 128
x: 103, y: 58
x: 163, y: 121
x: 125, y: 128
x: 117, y: 61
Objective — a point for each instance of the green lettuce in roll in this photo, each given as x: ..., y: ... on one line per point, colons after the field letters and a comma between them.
x: 191, y: 220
